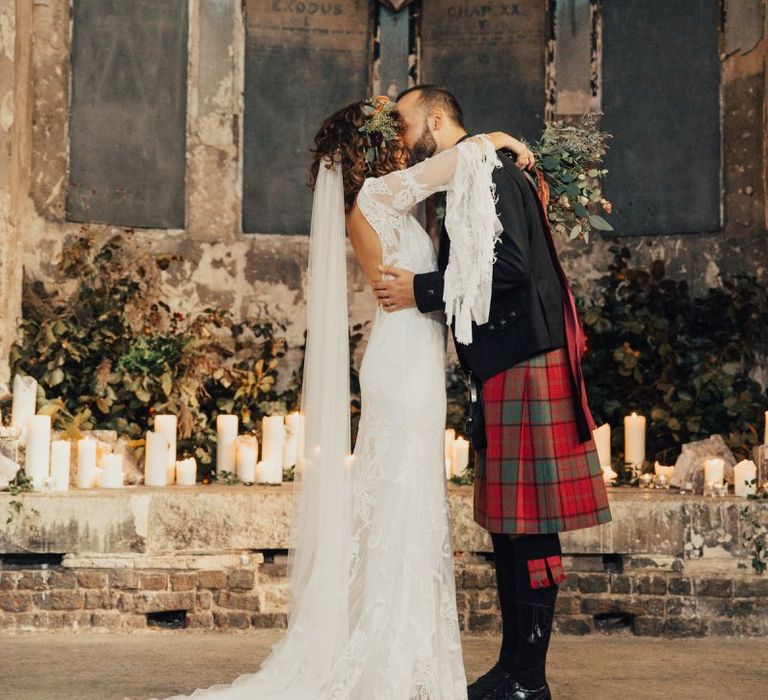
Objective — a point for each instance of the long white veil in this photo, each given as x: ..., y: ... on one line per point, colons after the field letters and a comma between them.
x: 319, y: 560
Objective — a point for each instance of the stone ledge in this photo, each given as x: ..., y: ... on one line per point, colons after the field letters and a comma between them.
x: 180, y: 526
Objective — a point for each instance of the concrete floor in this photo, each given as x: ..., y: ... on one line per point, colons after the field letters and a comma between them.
x: 112, y: 666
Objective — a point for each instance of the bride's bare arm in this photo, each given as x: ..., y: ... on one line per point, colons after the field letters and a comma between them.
x: 502, y: 141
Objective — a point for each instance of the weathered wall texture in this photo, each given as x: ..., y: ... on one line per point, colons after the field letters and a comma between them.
x: 223, y: 266
x: 14, y: 168
x: 741, y: 244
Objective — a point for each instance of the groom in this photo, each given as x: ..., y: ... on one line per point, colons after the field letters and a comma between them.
x: 537, y: 471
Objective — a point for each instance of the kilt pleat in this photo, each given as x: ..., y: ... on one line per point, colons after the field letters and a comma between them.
x: 534, y: 476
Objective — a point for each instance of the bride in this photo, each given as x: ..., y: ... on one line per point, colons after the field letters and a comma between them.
x: 374, y: 602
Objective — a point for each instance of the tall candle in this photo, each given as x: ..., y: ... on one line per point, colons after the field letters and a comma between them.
x: 449, y: 466
x: 24, y: 403
x: 269, y: 473
x: 38, y: 450
x: 166, y: 425
x: 602, y: 437
x: 86, y: 463
x: 272, y: 440
x: 765, y: 434
x: 226, y: 436
x: 713, y: 471
x: 186, y: 472
x: 293, y: 433
x: 745, y: 478
x: 460, y: 457
x: 112, y: 471
x: 634, y: 439
x: 156, y: 460
x: 60, y: 454
x: 247, y: 457
x: 450, y: 436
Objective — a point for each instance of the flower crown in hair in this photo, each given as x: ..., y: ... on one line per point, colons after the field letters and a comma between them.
x: 380, y: 126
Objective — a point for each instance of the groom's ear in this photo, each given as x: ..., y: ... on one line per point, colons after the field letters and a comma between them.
x: 436, y: 119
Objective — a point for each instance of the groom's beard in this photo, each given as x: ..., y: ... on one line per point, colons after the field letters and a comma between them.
x: 425, y: 147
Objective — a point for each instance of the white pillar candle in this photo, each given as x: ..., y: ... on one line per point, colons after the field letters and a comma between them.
x: 37, y: 463
x: 273, y: 440
x: 24, y: 404
x: 293, y: 432
x: 111, y: 471
x: 60, y: 454
x: 634, y: 439
x: 745, y: 478
x: 155, y: 460
x: 661, y: 470
x: 226, y: 436
x: 449, y: 466
x: 713, y: 471
x: 166, y: 424
x: 247, y: 472
x: 86, y: 463
x: 602, y: 437
x: 450, y: 437
x: 247, y: 458
x: 460, y: 457
x: 269, y: 473
x: 765, y: 433
x: 186, y: 472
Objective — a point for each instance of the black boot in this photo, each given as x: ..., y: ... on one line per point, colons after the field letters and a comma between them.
x: 516, y: 692
x: 500, y: 675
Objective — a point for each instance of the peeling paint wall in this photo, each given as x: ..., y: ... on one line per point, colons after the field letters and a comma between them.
x: 12, y: 103
x: 742, y: 244
x: 223, y: 266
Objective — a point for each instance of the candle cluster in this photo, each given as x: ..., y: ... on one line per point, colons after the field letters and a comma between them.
x: 47, y: 462
x: 281, y: 439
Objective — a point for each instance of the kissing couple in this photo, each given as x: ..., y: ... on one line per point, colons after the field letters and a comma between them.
x: 374, y: 613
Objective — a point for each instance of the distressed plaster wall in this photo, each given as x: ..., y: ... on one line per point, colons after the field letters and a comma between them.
x: 223, y: 266
x: 742, y: 244
x: 14, y: 170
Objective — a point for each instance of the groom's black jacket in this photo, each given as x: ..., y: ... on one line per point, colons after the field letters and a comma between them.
x: 526, y: 316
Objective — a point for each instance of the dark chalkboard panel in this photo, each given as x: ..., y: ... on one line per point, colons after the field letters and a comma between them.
x: 660, y: 98
x: 303, y: 61
x: 491, y: 56
x: 128, y: 112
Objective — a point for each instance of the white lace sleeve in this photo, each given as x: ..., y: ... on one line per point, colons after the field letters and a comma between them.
x: 465, y: 173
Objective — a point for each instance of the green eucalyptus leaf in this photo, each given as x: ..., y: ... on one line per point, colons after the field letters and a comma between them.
x: 599, y: 223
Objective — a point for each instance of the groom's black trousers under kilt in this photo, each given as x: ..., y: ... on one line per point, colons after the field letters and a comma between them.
x: 528, y: 570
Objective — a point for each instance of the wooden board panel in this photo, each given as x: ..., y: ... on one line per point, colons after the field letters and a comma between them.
x: 661, y: 101
x: 303, y: 61
x: 491, y: 56
x: 128, y: 112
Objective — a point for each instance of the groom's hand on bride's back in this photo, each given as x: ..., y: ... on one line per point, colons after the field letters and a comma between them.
x: 396, y: 293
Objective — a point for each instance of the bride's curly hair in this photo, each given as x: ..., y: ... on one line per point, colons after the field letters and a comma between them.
x: 340, y: 135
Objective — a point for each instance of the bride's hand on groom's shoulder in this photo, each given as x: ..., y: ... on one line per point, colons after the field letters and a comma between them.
x: 502, y: 141
x: 396, y: 293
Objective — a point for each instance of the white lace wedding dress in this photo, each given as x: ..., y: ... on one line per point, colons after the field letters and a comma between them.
x: 398, y: 638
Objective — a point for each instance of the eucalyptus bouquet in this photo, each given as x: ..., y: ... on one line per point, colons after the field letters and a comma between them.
x: 568, y: 161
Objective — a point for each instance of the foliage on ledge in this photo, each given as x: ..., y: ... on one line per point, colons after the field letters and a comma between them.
x: 109, y: 352
x: 686, y: 362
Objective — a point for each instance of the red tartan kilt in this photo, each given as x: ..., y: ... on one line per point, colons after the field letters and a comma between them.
x: 535, y: 476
